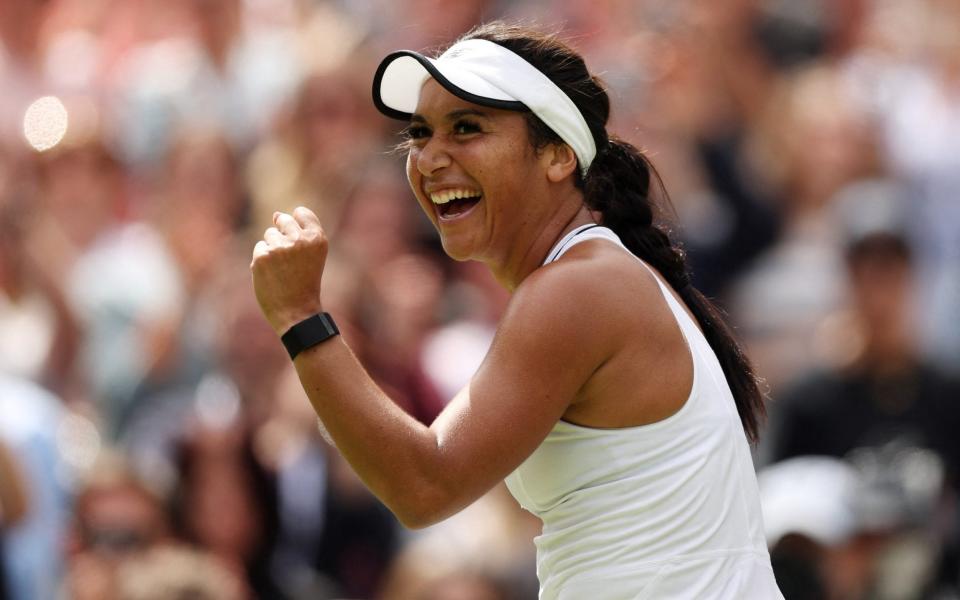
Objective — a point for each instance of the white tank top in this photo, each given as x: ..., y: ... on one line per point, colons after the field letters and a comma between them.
x: 668, y: 510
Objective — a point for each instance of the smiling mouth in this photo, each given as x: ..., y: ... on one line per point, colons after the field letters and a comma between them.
x: 453, y: 203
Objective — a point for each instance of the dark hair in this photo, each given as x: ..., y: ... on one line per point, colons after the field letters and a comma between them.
x: 618, y: 186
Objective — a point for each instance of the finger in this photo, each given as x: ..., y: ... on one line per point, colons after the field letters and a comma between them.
x: 306, y: 217
x: 273, y: 237
x: 287, y: 225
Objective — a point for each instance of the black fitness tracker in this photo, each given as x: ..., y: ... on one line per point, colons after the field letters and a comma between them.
x: 308, y: 333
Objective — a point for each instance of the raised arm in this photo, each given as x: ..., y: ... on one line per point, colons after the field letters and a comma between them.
x: 542, y: 354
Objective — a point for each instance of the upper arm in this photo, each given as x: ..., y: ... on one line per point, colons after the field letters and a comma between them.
x: 548, y: 344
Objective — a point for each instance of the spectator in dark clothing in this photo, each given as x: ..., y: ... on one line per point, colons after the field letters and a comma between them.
x: 887, y: 392
x: 360, y: 536
x: 887, y: 396
x: 751, y: 222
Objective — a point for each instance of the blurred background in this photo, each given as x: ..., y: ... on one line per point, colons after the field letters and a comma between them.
x: 154, y: 441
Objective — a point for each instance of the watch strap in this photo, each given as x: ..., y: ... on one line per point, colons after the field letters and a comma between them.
x: 308, y: 333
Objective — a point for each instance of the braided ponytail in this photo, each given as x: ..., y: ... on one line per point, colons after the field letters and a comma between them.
x: 617, y: 185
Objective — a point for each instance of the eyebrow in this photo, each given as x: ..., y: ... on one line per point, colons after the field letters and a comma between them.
x: 452, y: 115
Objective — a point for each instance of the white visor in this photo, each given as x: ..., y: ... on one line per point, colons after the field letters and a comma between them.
x: 485, y: 73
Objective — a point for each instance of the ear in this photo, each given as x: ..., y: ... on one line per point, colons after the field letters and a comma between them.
x: 561, y: 162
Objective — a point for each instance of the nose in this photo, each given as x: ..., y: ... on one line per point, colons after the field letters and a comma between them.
x: 432, y: 157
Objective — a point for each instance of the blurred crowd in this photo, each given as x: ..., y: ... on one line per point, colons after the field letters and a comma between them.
x: 154, y: 441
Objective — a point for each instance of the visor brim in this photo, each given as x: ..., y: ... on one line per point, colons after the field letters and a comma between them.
x: 401, y: 75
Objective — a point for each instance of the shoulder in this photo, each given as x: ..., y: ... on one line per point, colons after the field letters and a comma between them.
x: 596, y: 291
x: 598, y: 269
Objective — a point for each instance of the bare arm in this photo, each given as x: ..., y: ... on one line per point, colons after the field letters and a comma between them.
x: 540, y: 358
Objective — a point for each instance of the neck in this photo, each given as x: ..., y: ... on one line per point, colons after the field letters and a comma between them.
x: 511, y: 273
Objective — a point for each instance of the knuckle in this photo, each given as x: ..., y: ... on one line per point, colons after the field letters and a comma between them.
x: 315, y: 235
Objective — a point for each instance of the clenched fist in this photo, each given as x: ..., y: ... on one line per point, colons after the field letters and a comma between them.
x: 287, y: 267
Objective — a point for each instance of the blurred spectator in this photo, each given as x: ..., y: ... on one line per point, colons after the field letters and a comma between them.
x: 129, y: 298
x: 452, y: 352
x: 13, y: 494
x: 34, y: 429
x: 225, y: 498
x: 863, y: 528
x: 82, y: 193
x: 200, y: 203
x: 137, y: 287
x: 483, y: 552
x: 464, y: 586
x: 217, y: 72
x: 399, y: 293
x: 116, y: 517
x: 13, y: 504
x: 21, y: 62
x: 39, y: 335
x: 882, y: 391
x: 115, y: 514
x: 177, y: 573
x: 428, y: 24
x: 255, y: 484
x: 807, y: 512
x: 123, y: 546
x: 360, y: 536
x: 816, y: 143
x: 195, y: 435
x: 912, y: 68
x: 334, y: 538
x: 319, y: 149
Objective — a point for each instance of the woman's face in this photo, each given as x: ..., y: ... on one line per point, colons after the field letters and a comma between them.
x: 476, y: 175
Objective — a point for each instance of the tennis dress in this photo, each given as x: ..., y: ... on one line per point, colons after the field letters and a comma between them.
x: 665, y: 511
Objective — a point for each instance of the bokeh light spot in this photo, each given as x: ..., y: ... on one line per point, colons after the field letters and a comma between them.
x: 45, y: 123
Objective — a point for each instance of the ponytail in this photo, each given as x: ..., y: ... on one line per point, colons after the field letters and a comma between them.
x: 618, y: 185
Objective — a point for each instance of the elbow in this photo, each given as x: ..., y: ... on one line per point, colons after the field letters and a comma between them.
x: 426, y: 507
x: 411, y: 520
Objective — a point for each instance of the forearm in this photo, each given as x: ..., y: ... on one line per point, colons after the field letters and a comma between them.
x: 420, y: 479
x: 396, y: 456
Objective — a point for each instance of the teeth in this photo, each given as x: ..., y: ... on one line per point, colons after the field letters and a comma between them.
x: 448, y: 195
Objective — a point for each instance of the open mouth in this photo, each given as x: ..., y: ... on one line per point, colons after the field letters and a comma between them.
x: 453, y: 203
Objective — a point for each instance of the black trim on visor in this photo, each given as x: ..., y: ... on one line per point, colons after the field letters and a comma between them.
x: 393, y: 113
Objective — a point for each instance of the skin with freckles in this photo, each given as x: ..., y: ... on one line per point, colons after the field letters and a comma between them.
x: 572, y: 343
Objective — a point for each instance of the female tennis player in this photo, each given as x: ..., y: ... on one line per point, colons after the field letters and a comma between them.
x: 613, y: 400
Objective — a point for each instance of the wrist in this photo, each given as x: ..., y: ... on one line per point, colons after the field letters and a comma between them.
x: 282, y: 323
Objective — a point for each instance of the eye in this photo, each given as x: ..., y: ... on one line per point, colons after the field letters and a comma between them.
x: 415, y: 131
x: 465, y: 127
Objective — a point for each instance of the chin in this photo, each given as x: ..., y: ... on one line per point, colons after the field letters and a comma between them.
x: 455, y: 251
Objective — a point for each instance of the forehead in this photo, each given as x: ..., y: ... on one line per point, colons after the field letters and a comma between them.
x: 437, y: 104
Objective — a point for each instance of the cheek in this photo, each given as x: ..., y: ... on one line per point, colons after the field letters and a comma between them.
x: 415, y: 180
x: 412, y: 173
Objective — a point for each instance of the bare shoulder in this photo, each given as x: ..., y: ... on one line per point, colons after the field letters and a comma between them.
x: 583, y: 308
x: 629, y: 331
x: 598, y: 280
